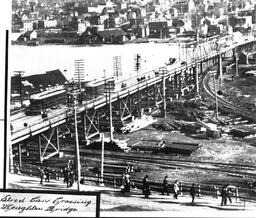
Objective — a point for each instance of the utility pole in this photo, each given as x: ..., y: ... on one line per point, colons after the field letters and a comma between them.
x: 109, y: 88
x: 117, y: 70
x: 65, y: 73
x: 110, y: 116
x: 220, y: 69
x: 164, y: 94
x: 137, y: 63
x: 19, y: 74
x: 102, y: 160
x: 179, y: 49
x: 216, y: 97
x: 79, y: 72
x: 78, y: 165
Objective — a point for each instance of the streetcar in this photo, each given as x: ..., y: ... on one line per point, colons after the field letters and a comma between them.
x: 49, y: 99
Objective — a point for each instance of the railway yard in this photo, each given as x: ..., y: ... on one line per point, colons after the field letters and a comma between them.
x: 207, y: 159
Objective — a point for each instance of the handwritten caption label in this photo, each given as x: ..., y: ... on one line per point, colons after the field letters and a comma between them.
x: 35, y: 204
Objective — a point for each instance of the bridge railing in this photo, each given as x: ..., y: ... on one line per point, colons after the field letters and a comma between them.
x: 115, y: 181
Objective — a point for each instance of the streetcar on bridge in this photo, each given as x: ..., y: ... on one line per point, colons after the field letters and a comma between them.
x: 49, y: 99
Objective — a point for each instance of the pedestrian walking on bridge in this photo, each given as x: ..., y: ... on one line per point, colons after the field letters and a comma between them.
x: 176, y: 189
x: 145, y: 187
x: 47, y: 174
x: 165, y: 186
x: 41, y: 174
x: 224, y: 195
x: 192, y: 192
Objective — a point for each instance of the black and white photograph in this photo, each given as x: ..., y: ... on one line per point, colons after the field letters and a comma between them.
x: 128, y: 108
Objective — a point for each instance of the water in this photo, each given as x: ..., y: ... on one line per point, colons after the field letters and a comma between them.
x: 37, y: 60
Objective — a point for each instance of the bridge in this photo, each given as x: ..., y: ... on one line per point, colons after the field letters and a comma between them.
x: 128, y: 97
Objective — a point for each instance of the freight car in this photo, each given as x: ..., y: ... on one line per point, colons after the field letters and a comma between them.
x: 49, y: 99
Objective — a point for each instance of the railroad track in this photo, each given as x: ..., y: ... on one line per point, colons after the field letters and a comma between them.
x: 167, y: 163
x: 235, y: 169
x: 224, y: 104
x: 244, y: 173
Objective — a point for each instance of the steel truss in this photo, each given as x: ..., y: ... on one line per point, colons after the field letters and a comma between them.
x: 44, y: 148
x: 90, y: 124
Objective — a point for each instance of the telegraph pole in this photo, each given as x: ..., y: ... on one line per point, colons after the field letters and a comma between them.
x: 78, y: 165
x: 110, y: 86
x: 220, y: 63
x: 216, y: 97
x: 164, y: 94
x: 137, y: 63
x: 65, y: 73
x: 79, y: 72
x: 102, y: 159
x: 117, y: 66
x: 110, y: 116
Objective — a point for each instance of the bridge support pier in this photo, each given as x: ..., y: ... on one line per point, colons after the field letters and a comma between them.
x: 139, y: 102
x: 19, y: 154
x: 180, y: 83
x: 155, y: 91
x: 40, y: 149
x: 11, y: 166
x: 147, y: 99
x: 164, y: 95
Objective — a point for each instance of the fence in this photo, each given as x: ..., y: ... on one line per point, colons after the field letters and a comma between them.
x: 115, y: 181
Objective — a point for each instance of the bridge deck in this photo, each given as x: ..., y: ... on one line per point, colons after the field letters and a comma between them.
x: 36, y: 125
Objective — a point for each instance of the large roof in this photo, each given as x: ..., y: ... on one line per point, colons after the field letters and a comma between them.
x: 111, y: 32
x: 48, y: 93
x: 39, y: 81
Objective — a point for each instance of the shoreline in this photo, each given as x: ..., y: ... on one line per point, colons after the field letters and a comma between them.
x: 135, y: 41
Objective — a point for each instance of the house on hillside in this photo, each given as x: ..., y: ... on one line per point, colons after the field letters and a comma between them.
x: 25, y: 17
x: 29, y: 35
x: 89, y: 36
x: 112, y: 36
x: 240, y: 24
x: 27, y: 25
x: 182, y: 6
x: 94, y: 20
x: 50, y: 22
x: 17, y: 28
x: 82, y: 25
x: 158, y: 29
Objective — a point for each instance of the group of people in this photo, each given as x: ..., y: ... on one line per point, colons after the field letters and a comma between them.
x: 69, y: 178
x: 67, y: 173
x: 225, y: 192
x: 44, y: 174
x: 177, y: 190
x: 225, y: 195
x: 126, y: 183
x: 146, y: 190
x: 165, y: 187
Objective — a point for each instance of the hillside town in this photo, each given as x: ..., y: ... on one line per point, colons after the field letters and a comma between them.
x: 37, y: 22
x: 140, y: 107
